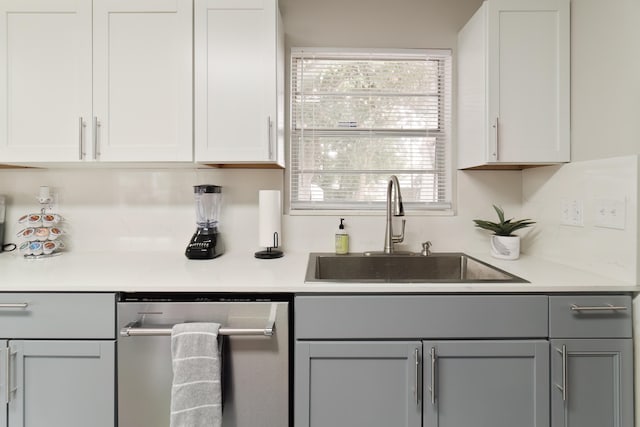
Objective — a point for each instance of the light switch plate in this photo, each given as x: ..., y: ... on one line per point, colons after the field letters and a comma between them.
x: 572, y: 212
x: 610, y: 213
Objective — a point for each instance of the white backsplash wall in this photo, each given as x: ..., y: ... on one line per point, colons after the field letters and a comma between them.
x: 595, y: 185
x: 139, y: 209
x: 152, y: 210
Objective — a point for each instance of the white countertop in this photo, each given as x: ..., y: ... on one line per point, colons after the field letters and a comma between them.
x: 169, y: 271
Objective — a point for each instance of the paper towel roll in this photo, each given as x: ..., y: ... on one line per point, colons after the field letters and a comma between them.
x: 269, y: 218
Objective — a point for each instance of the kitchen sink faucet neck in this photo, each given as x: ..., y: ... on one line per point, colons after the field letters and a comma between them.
x: 394, y: 208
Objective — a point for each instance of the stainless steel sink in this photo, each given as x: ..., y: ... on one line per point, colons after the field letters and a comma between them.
x: 413, y: 268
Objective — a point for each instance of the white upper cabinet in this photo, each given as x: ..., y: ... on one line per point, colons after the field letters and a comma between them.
x: 108, y: 80
x: 45, y: 79
x: 142, y: 80
x: 239, y: 82
x: 513, y: 85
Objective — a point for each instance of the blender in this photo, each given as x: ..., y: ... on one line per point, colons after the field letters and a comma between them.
x: 206, y: 243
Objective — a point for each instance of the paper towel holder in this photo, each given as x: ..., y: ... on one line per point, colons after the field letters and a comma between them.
x: 269, y: 224
x: 271, y: 252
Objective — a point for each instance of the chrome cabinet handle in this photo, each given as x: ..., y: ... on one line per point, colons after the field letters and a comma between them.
x: 496, y: 148
x: 7, y: 371
x: 565, y: 373
x: 14, y: 305
x: 608, y: 307
x: 433, y: 375
x: 81, y: 127
x: 269, y: 130
x: 96, y: 144
x: 11, y: 389
x: 416, y: 354
x: 7, y: 383
x: 563, y: 386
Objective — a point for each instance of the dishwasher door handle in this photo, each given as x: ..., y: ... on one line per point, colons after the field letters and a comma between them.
x: 133, y: 329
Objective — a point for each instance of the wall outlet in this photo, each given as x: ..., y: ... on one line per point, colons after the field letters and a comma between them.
x: 572, y: 213
x: 48, y: 199
x: 610, y: 213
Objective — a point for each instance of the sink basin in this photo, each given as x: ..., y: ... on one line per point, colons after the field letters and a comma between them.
x: 413, y: 268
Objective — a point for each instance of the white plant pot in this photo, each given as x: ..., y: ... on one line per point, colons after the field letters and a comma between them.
x: 505, y: 247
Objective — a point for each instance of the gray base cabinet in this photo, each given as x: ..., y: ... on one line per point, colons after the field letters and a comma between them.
x: 358, y: 384
x: 61, y: 383
x: 591, y: 361
x: 57, y: 360
x: 482, y: 361
x: 592, y: 383
x: 486, y: 383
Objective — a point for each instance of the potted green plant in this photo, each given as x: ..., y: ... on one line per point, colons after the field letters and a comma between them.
x: 504, y: 244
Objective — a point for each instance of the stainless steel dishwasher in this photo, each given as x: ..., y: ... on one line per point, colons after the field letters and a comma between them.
x: 255, y: 356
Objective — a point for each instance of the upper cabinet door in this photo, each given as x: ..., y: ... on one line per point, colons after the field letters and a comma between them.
x: 45, y: 79
x: 513, y: 97
x: 238, y: 54
x: 143, y: 80
x: 529, y: 79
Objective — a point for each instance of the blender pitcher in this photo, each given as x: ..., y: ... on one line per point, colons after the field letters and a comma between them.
x: 206, y: 243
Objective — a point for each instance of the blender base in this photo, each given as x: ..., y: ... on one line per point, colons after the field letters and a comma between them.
x: 205, y: 244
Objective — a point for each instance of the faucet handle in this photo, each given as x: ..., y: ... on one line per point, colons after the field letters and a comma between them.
x: 426, y: 248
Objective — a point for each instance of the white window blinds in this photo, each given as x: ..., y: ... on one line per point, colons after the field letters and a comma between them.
x: 358, y: 117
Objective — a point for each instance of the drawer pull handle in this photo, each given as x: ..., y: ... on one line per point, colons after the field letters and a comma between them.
x: 608, y: 307
x: 14, y: 305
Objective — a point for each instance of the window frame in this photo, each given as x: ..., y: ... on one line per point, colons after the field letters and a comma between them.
x: 445, y: 97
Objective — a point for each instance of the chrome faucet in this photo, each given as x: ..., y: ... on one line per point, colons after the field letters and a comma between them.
x: 394, y: 208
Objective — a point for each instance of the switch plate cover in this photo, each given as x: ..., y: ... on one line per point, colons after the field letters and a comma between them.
x: 610, y: 213
x: 572, y: 212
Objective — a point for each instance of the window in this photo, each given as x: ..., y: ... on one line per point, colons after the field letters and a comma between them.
x: 358, y: 117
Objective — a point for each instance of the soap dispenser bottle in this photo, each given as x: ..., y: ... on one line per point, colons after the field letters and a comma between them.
x: 342, y: 240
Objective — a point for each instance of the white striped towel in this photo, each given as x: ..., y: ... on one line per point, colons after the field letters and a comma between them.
x: 195, y: 393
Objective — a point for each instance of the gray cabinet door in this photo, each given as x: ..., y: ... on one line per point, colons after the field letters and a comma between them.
x: 486, y: 383
x: 62, y: 384
x: 597, y: 378
x: 357, y: 384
